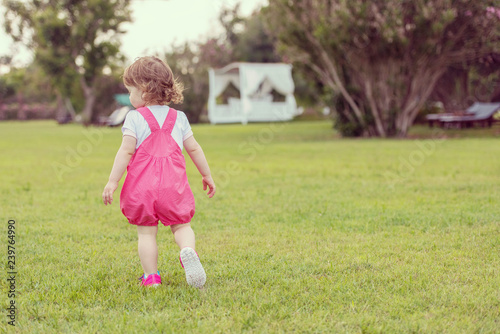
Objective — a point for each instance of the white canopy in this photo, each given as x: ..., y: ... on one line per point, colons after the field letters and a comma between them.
x: 255, y: 82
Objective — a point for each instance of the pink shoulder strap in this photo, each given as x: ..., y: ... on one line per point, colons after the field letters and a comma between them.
x: 169, y: 123
x: 150, y: 118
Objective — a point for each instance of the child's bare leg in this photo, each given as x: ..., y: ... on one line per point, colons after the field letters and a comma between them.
x: 148, y: 250
x: 184, y: 235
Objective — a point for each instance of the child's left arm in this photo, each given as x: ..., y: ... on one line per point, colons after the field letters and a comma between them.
x: 196, y: 153
x: 125, y: 152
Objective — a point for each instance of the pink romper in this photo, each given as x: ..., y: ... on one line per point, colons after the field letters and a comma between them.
x: 156, y: 186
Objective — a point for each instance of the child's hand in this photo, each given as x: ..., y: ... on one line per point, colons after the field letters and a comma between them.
x: 107, y: 194
x: 209, y: 182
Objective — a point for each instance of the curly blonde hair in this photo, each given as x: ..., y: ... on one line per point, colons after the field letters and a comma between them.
x: 155, y: 79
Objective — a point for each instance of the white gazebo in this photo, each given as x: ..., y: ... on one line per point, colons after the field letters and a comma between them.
x: 255, y: 81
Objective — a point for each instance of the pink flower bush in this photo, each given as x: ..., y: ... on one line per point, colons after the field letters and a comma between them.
x: 493, y: 11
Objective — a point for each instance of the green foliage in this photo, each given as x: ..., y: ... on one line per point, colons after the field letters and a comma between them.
x: 345, y: 127
x: 106, y: 87
x: 28, y: 83
x: 73, y: 40
x: 255, y: 44
x: 7, y: 88
x: 307, y: 233
x: 381, y: 56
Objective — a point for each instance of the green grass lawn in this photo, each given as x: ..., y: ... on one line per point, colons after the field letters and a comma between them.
x: 308, y: 232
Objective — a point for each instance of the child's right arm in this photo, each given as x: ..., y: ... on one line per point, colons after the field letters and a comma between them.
x: 196, y: 153
x: 122, y: 159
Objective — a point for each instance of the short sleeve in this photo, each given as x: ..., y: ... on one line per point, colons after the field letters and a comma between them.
x: 186, y: 127
x: 127, y: 132
x: 129, y: 126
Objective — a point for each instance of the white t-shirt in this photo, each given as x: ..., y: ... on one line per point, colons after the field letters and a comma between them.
x: 136, y: 126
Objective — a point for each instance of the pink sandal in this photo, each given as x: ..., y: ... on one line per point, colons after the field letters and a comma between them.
x: 152, y: 280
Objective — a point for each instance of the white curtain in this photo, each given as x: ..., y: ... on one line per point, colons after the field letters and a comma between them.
x: 279, y: 76
x: 221, y: 81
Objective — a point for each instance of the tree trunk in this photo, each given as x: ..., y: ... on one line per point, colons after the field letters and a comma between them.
x: 90, y: 98
x: 63, y: 115
x: 374, y: 109
x: 332, y: 77
x: 420, y: 89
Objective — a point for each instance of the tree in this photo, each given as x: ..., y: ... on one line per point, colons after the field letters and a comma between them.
x: 74, y: 41
x: 245, y: 39
x: 232, y: 22
x: 254, y: 44
x: 191, y: 63
x: 381, y: 59
x: 466, y: 83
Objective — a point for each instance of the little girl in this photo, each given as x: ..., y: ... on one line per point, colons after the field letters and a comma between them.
x: 156, y: 186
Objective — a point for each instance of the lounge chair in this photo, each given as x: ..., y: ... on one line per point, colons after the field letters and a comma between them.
x: 478, y: 113
x: 118, y: 116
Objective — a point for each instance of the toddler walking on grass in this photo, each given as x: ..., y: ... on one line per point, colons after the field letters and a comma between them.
x: 156, y: 186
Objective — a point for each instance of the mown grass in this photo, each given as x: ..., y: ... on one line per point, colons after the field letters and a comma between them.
x: 307, y: 233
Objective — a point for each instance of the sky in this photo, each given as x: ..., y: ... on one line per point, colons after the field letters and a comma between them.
x: 157, y: 24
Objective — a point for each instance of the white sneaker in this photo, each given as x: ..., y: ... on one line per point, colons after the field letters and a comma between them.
x: 195, y: 275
